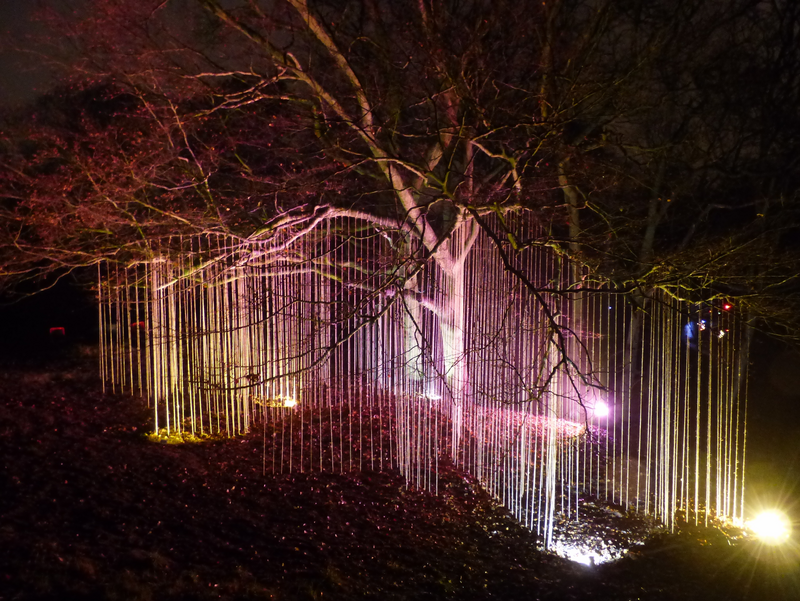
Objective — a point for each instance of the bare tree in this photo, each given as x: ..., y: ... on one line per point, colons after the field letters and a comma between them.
x: 594, y: 119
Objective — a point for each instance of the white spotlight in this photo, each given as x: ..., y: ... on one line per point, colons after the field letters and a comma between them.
x: 601, y: 409
x: 772, y: 527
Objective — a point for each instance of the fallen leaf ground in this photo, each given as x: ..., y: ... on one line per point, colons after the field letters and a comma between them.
x: 92, y: 509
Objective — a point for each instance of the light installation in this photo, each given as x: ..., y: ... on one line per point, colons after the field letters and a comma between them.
x: 358, y: 351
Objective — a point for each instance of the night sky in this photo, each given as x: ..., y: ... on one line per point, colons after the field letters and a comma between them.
x: 22, y: 76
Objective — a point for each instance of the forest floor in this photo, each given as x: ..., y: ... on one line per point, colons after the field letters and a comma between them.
x: 91, y: 508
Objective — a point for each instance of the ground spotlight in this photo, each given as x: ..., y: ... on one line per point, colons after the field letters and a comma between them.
x: 601, y: 409
x: 771, y: 527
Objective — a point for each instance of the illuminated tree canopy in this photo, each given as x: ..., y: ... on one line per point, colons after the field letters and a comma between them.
x: 634, y: 133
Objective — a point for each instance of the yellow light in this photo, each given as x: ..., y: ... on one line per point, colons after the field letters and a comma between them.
x: 278, y: 401
x: 772, y: 527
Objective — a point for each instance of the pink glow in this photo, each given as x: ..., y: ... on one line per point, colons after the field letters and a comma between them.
x: 601, y: 409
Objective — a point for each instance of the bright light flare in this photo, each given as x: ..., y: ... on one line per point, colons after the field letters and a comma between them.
x: 601, y: 409
x: 771, y: 527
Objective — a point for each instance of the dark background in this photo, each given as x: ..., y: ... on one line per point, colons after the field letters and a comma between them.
x: 23, y: 73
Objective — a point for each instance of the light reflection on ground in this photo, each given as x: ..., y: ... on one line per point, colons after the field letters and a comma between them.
x: 580, y: 552
x: 601, y: 534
